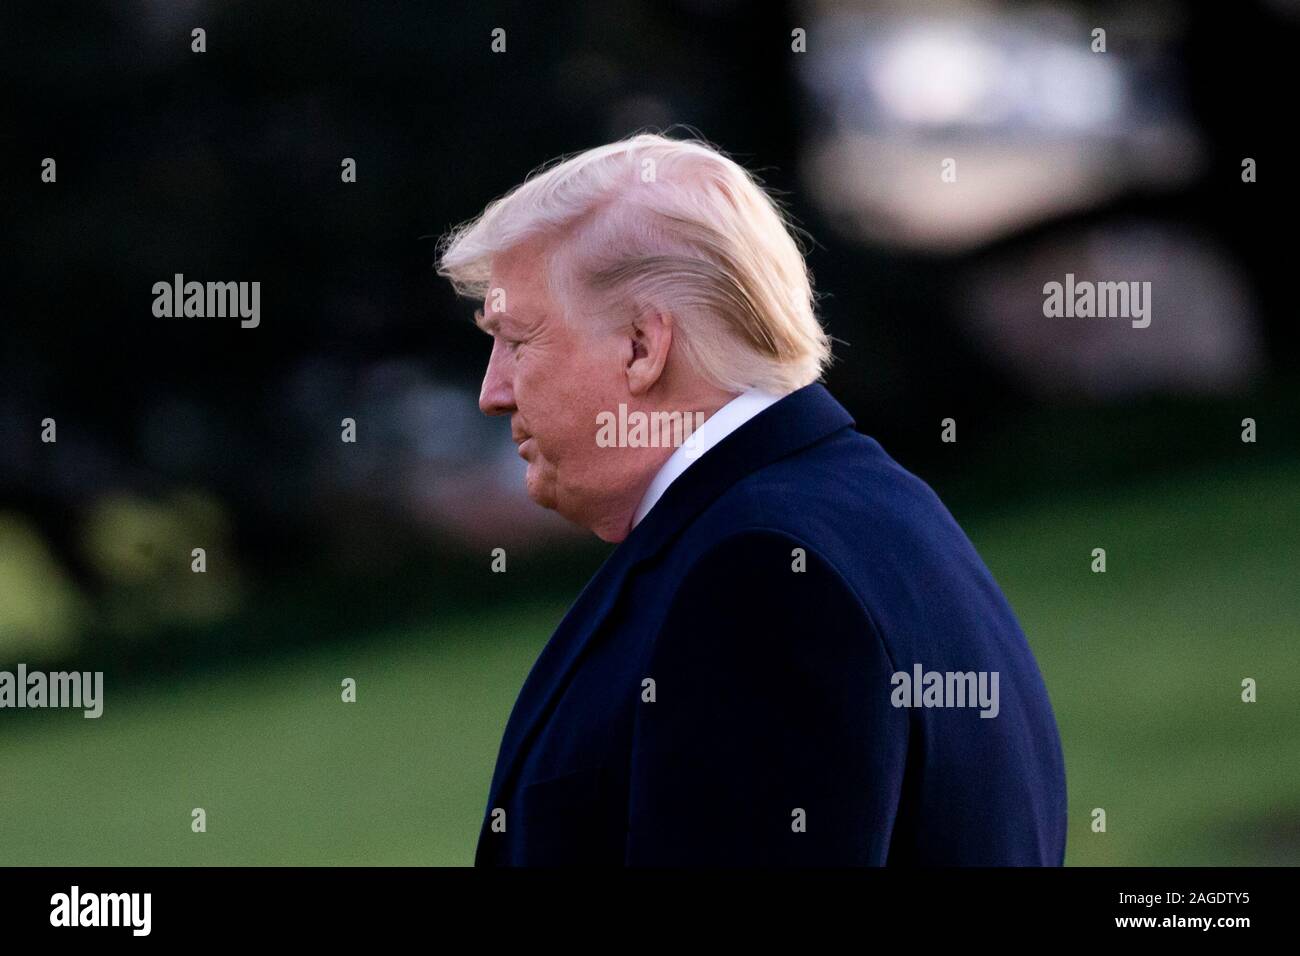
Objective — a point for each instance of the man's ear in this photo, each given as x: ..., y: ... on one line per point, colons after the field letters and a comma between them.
x: 648, y: 342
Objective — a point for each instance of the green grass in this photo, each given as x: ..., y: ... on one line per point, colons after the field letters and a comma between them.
x: 286, y: 772
x: 1143, y: 663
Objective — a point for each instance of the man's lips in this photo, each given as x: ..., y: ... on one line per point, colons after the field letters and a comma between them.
x: 525, y: 444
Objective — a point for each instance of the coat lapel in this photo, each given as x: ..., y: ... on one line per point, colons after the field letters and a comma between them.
x: 796, y: 421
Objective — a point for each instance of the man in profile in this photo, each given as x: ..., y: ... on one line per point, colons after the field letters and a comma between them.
x: 794, y: 656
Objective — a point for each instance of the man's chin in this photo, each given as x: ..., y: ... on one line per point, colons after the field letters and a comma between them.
x: 543, y: 484
x: 541, y: 487
x: 545, y: 499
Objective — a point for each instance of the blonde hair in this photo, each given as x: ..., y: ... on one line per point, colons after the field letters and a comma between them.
x: 650, y: 222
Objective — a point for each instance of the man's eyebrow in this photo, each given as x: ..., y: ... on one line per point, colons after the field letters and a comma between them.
x: 491, y: 324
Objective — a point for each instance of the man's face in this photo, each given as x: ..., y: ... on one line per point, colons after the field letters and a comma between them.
x: 553, y: 377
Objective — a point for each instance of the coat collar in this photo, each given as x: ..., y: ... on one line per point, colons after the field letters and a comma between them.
x: 796, y: 421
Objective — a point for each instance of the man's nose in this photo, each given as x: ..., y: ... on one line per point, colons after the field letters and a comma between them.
x: 497, y: 395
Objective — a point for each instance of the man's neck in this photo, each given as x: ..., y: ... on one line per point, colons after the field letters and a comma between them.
x: 620, y: 517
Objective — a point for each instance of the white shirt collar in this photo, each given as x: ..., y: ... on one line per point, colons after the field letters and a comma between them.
x: 717, y: 427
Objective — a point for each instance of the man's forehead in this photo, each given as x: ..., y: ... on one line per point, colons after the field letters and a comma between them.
x: 514, y: 297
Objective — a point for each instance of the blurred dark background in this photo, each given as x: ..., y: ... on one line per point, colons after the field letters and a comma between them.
x: 328, y: 559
